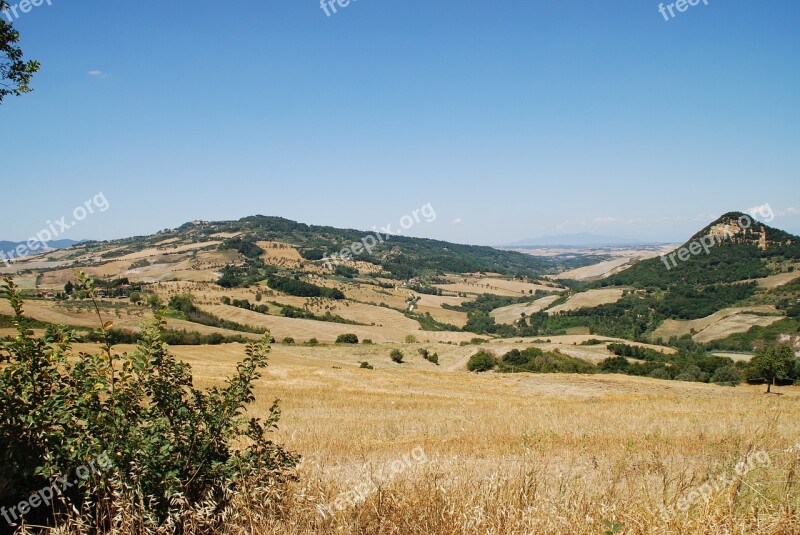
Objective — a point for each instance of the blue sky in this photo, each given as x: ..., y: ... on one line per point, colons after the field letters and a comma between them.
x: 512, y: 119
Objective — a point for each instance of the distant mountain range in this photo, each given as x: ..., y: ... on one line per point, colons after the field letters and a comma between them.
x: 583, y: 239
x: 9, y: 247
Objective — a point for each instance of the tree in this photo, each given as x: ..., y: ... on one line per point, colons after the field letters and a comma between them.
x: 772, y: 362
x: 154, y: 301
x: 347, y: 339
x: 397, y: 356
x: 481, y: 361
x: 15, y: 73
x: 136, y: 298
x: 161, y: 445
x: 727, y: 376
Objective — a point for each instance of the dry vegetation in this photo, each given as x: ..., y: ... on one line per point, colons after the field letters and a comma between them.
x: 720, y: 324
x: 511, y: 313
x: 518, y: 453
x: 589, y: 299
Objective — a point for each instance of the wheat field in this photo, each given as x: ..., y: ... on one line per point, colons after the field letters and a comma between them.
x: 509, y: 454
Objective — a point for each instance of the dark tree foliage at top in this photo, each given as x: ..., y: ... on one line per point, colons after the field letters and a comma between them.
x: 15, y: 72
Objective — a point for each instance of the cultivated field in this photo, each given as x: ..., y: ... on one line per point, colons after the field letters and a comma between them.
x: 596, y: 271
x: 493, y: 285
x: 720, y: 324
x: 511, y: 454
x: 589, y: 299
x: 511, y: 313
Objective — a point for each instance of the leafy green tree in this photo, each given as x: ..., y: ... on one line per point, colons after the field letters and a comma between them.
x: 397, y: 356
x: 727, y: 376
x: 347, y: 339
x: 15, y: 72
x: 482, y: 361
x: 136, y: 298
x: 615, y: 365
x: 772, y: 362
x: 154, y: 301
x: 167, y: 448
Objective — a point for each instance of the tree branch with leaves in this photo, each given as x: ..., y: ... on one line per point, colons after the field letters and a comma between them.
x: 15, y: 72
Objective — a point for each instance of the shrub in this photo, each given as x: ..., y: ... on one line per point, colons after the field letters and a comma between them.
x: 288, y: 341
x: 481, y: 361
x: 615, y: 365
x: 397, y: 356
x: 727, y: 376
x: 367, y: 366
x: 411, y: 339
x: 660, y: 373
x: 434, y: 358
x: 312, y: 342
x: 166, y: 449
x: 366, y: 341
x: 535, y: 360
x: 692, y: 374
x: 347, y: 339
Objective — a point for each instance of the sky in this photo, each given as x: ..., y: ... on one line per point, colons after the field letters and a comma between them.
x: 508, y: 120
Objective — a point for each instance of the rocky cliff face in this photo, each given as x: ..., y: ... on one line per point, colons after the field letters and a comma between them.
x: 737, y: 227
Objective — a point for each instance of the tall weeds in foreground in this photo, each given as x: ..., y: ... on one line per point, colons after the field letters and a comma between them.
x: 124, y: 443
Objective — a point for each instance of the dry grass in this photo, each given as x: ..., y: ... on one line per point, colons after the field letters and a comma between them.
x: 519, y: 453
x: 719, y: 324
x: 511, y: 454
x: 774, y: 281
x: 494, y: 285
x: 589, y: 299
x: 512, y: 313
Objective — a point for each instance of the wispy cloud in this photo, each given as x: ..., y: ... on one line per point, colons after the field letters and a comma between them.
x: 457, y: 221
x: 96, y: 73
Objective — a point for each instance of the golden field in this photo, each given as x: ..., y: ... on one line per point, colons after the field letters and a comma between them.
x: 516, y: 453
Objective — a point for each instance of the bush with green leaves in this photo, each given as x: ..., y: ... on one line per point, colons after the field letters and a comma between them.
x: 347, y: 339
x: 693, y: 374
x: 397, y: 356
x: 482, y: 361
x: 179, y: 454
x: 727, y: 376
x: 430, y: 357
x: 535, y: 360
x: 660, y: 373
x: 772, y: 362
